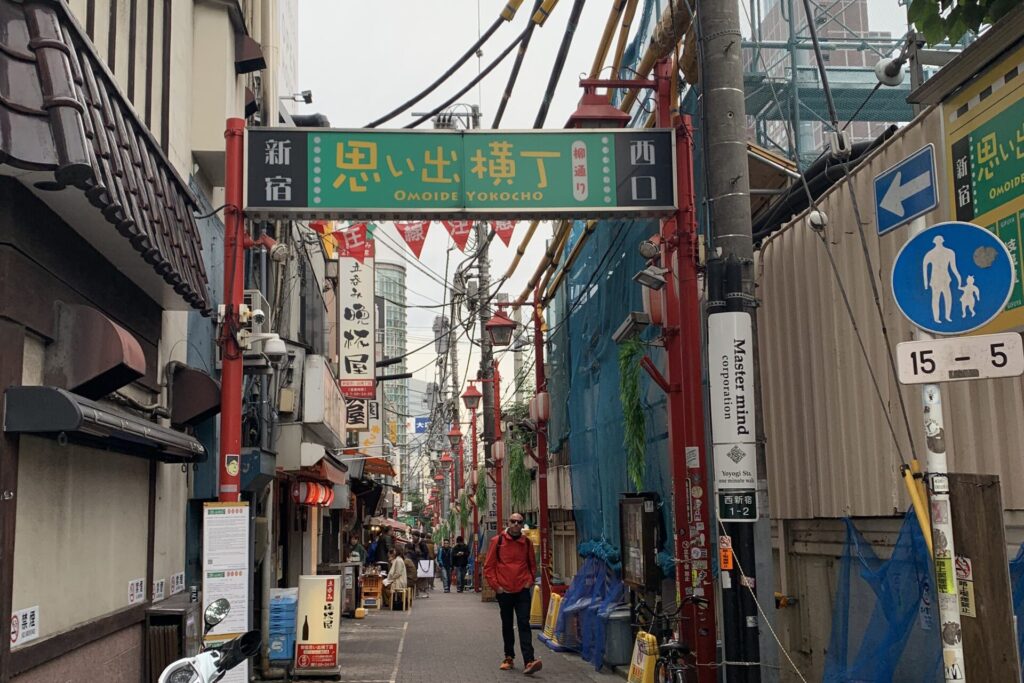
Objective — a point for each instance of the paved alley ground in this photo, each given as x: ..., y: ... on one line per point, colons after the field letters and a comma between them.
x: 446, y: 638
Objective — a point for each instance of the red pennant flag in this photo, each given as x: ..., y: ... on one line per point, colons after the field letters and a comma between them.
x: 414, y: 234
x: 504, y: 230
x: 320, y: 227
x: 352, y: 241
x: 459, y: 230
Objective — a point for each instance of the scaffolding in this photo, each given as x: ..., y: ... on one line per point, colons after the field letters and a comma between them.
x: 785, y: 100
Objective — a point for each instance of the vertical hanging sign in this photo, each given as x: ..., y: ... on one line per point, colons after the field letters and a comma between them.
x: 356, y: 322
x: 731, y: 371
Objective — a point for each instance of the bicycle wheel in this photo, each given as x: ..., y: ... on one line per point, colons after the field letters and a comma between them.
x: 663, y: 672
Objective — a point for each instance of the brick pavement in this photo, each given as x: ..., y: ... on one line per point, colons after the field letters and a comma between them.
x: 447, y: 638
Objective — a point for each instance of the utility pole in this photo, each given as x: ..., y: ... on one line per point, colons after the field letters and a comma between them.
x: 486, y: 355
x: 731, y: 349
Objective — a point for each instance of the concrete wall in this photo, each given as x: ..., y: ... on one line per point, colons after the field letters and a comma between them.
x: 81, y: 531
x: 115, y: 659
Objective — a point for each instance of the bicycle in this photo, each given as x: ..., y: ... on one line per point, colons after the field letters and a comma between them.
x: 675, y: 663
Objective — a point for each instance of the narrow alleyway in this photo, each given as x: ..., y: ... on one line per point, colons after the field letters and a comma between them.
x: 447, y: 638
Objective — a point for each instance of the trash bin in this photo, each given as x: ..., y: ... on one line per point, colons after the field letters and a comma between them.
x: 618, y: 638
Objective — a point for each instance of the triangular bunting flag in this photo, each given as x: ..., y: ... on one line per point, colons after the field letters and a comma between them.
x: 459, y: 230
x: 352, y: 241
x: 414, y: 234
x: 504, y: 230
x: 320, y: 227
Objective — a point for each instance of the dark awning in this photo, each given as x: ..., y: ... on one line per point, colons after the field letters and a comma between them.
x: 49, y: 411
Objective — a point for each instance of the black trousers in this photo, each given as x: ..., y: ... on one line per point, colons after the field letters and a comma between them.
x: 460, y: 573
x: 519, y: 605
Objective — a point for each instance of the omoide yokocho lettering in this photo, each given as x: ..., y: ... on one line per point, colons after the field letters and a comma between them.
x: 471, y: 196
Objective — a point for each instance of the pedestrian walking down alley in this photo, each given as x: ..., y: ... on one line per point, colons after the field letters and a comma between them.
x: 451, y: 639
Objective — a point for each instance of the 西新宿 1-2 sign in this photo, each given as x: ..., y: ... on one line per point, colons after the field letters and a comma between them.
x: 468, y: 174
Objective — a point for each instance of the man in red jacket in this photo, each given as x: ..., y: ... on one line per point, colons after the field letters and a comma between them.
x: 510, y: 569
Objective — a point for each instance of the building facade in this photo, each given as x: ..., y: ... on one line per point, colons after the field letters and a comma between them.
x: 390, y: 286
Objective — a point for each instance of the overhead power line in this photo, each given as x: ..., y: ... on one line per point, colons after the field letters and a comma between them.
x: 483, y: 74
x: 556, y: 69
x: 433, y: 86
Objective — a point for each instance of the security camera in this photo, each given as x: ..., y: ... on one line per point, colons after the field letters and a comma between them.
x: 258, y: 317
x: 275, y: 349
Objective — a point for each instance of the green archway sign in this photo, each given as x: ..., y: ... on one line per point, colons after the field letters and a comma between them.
x: 380, y: 174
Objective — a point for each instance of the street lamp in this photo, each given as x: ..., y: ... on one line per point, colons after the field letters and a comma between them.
x: 455, y: 436
x: 594, y: 111
x: 446, y: 462
x: 471, y: 398
x: 500, y: 328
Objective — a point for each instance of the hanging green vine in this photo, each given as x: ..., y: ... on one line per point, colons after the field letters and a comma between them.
x: 463, y: 510
x: 451, y: 521
x: 634, y: 422
x: 518, y: 477
x: 481, y: 488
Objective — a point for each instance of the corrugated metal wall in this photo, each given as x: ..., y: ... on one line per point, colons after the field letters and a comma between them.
x: 830, y: 452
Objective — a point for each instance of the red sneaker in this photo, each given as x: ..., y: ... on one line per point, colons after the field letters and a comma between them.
x: 507, y: 664
x: 532, y: 667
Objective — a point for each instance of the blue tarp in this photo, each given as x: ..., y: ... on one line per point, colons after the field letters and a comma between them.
x: 885, y: 619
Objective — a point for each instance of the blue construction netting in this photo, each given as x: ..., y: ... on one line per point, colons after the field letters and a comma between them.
x: 1017, y: 585
x: 594, y: 592
x: 885, y: 620
x: 587, y: 418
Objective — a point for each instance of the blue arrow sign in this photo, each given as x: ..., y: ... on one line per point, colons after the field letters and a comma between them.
x: 906, y: 191
x: 952, y: 278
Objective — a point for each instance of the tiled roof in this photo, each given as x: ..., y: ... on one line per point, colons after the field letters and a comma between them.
x: 61, y: 111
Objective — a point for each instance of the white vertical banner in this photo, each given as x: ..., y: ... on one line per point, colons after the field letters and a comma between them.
x: 226, y: 573
x: 357, y: 325
x: 733, y: 418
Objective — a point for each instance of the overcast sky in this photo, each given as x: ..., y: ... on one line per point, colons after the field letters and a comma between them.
x: 363, y: 58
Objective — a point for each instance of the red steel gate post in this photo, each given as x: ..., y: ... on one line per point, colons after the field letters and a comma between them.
x: 685, y: 396
x: 496, y: 388
x: 229, y: 488
x: 542, y: 460
x: 476, y: 510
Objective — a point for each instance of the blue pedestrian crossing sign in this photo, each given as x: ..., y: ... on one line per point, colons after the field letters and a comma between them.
x: 952, y: 278
x: 906, y: 191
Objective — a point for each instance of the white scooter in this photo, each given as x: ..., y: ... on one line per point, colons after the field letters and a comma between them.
x: 211, y: 665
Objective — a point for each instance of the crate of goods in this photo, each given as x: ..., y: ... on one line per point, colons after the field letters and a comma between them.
x: 284, y: 604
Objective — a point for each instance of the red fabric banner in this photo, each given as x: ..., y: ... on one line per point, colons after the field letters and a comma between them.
x: 414, y: 234
x: 504, y: 230
x: 352, y: 242
x: 459, y: 230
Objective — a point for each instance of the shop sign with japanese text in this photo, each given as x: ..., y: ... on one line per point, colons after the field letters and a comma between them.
x: 317, y: 622
x: 464, y: 174
x: 356, y: 323
x: 984, y: 128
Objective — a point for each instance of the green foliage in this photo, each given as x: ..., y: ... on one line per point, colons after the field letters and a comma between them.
x: 518, y: 477
x: 481, y: 488
x: 440, y: 533
x: 451, y: 521
x: 634, y: 422
x: 463, y: 510
x: 949, y: 20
